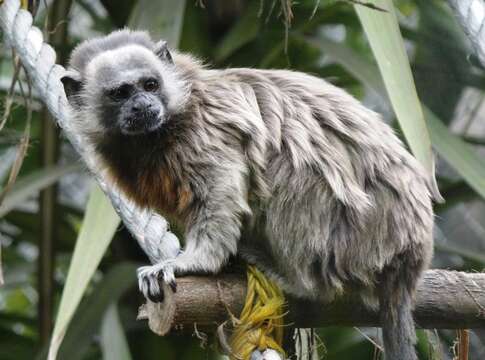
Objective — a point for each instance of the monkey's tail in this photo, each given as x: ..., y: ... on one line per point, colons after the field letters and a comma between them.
x: 396, y: 304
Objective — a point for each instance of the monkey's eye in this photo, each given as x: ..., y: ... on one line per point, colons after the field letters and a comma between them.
x: 121, y: 92
x: 151, y: 85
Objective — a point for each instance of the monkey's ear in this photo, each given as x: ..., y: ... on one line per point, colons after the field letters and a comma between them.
x: 72, y: 84
x: 161, y: 50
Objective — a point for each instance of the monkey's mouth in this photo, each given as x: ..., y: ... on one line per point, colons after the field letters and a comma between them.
x: 142, y: 124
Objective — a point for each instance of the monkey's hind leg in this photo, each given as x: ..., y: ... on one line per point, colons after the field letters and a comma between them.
x: 396, y: 288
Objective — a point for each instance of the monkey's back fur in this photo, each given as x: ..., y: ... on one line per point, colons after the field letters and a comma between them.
x: 346, y: 200
x: 288, y: 171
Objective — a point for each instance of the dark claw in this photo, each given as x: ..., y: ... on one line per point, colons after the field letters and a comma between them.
x: 173, y: 286
x: 154, y: 296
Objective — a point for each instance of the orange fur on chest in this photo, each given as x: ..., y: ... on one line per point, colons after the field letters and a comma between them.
x: 159, y: 191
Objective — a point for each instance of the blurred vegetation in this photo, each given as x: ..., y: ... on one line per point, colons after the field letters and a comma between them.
x: 38, y: 233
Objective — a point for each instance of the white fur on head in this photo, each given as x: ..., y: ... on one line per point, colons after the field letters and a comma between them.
x: 129, y: 61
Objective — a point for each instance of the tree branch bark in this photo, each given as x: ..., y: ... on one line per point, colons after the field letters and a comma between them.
x: 445, y: 299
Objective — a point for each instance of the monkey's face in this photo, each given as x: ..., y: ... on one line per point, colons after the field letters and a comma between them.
x: 134, y: 107
x: 130, y: 90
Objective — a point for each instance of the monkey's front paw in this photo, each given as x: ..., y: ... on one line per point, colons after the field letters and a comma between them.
x: 149, y: 280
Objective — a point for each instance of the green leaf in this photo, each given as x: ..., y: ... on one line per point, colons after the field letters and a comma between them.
x: 88, y: 319
x: 245, y: 30
x: 31, y: 184
x: 458, y: 153
x: 91, y: 315
x: 385, y: 39
x: 113, y: 340
x: 99, y: 226
x: 438, y: 34
x: 7, y: 158
x: 353, y: 62
x: 15, y: 346
x: 160, y: 18
x: 453, y: 149
x: 470, y: 255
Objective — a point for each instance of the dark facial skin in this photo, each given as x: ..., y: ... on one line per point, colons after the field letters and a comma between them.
x: 134, y: 108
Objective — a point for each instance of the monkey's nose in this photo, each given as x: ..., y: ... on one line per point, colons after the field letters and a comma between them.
x: 138, y: 107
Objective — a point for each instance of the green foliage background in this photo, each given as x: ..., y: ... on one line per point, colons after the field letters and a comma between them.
x: 326, y: 39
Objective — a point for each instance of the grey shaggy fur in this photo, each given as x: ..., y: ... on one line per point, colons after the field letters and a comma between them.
x: 286, y: 170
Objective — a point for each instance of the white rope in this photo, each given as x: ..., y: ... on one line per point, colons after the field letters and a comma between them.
x: 471, y: 15
x: 38, y: 59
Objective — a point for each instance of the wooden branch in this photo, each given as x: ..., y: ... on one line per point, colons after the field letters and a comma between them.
x: 445, y: 299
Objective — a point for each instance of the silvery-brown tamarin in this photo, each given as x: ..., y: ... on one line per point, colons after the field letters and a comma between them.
x: 279, y: 167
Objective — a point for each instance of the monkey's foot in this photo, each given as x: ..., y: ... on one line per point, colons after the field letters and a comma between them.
x: 149, y: 280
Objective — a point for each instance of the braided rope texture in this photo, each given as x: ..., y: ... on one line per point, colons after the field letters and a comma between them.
x: 38, y: 59
x: 471, y: 15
